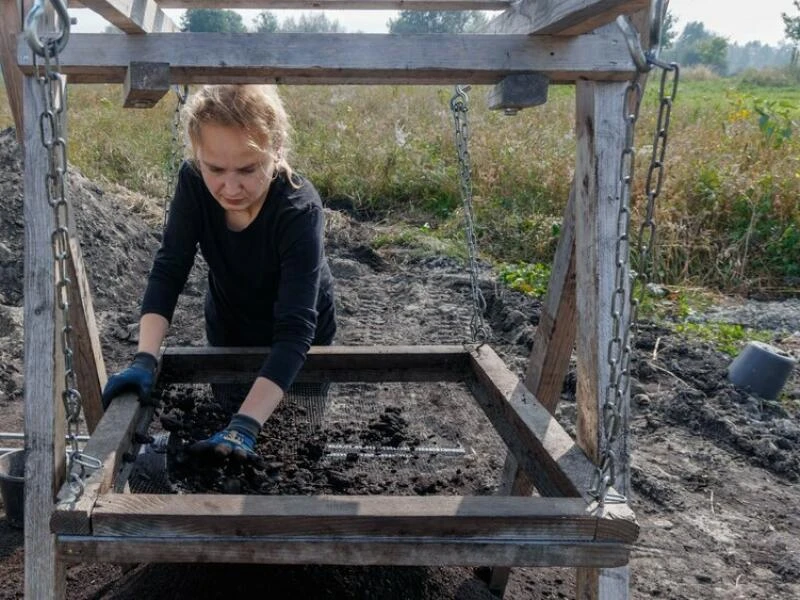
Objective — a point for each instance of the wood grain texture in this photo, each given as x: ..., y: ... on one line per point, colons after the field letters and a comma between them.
x: 133, y: 16
x: 45, y: 425
x: 561, y: 17
x: 343, y: 58
x: 10, y: 26
x: 88, y: 363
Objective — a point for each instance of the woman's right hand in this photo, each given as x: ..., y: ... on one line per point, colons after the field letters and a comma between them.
x: 139, y: 377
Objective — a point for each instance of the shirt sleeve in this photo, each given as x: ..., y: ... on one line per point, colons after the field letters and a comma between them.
x: 301, y: 254
x: 175, y: 257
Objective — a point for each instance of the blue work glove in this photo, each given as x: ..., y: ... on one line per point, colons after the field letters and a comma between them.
x: 139, y: 378
x: 237, y: 440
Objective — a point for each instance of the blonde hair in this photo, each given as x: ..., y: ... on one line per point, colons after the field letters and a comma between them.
x: 255, y: 108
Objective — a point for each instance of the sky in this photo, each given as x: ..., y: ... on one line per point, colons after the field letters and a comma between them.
x: 740, y: 21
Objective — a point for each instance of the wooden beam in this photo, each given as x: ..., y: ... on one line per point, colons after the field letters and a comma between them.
x: 601, y: 139
x: 10, y: 26
x: 343, y: 58
x: 561, y: 17
x: 90, y: 369
x: 324, y: 363
x: 133, y: 16
x: 547, y: 454
x: 44, y: 365
x: 555, y: 335
x: 145, y: 84
x: 188, y: 515
x: 113, y: 437
x: 343, y: 551
x: 341, y: 4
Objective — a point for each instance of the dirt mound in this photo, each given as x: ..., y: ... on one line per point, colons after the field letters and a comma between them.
x: 713, y: 468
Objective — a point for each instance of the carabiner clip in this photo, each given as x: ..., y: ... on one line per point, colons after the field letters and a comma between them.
x: 56, y: 45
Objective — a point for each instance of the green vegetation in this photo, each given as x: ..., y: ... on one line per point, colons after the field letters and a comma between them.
x: 728, y: 217
x: 729, y: 338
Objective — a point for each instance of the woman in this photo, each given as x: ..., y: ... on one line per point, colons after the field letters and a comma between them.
x: 260, y: 229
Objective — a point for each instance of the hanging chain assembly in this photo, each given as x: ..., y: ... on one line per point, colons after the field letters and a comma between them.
x: 176, y: 149
x: 623, y: 298
x: 459, y: 105
x: 51, y: 131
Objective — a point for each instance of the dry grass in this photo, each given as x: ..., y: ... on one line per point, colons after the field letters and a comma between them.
x: 728, y: 216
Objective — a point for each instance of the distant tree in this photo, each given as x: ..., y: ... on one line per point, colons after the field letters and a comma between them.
x: 312, y: 23
x: 205, y: 20
x: 668, y: 30
x: 266, y: 22
x: 792, y: 25
x: 698, y: 46
x: 432, y: 21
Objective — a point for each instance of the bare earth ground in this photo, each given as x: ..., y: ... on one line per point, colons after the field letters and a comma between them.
x: 714, y: 470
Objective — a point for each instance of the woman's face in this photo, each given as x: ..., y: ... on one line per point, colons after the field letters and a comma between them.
x: 236, y: 173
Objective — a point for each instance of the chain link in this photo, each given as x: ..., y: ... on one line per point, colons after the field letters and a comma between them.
x: 51, y: 132
x: 621, y: 341
x: 176, y: 148
x: 459, y: 105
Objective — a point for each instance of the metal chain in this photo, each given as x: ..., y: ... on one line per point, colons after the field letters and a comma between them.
x: 51, y: 131
x: 176, y: 148
x: 459, y: 105
x: 621, y: 342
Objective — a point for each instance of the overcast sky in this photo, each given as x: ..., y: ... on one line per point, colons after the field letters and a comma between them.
x: 738, y: 20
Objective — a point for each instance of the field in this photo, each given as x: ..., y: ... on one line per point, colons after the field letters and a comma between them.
x: 729, y: 215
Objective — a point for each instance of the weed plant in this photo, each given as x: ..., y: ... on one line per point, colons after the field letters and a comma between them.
x: 728, y: 217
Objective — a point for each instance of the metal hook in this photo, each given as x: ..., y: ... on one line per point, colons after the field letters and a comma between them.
x: 57, y: 44
x: 645, y: 60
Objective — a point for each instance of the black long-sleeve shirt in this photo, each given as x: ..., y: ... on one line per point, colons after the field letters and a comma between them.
x: 268, y: 284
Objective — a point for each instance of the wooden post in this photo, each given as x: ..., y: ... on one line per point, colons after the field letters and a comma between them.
x: 44, y: 367
x: 601, y: 139
x: 10, y: 26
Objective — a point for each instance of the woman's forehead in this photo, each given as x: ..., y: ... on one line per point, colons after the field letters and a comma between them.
x: 232, y: 143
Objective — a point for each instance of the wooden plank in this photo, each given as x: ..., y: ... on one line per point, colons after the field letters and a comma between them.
x: 90, y: 369
x: 109, y: 442
x: 554, y: 339
x: 168, y: 515
x: 344, y: 58
x: 341, y: 4
x: 145, y: 84
x: 561, y: 17
x: 324, y: 363
x: 133, y: 16
x: 10, y: 26
x: 44, y: 366
x: 601, y: 134
x: 547, y: 454
x: 343, y: 551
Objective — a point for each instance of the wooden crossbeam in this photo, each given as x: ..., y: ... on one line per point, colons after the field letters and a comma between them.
x: 324, y: 363
x: 341, y: 4
x: 561, y: 17
x: 343, y: 58
x: 365, y: 530
x: 140, y: 16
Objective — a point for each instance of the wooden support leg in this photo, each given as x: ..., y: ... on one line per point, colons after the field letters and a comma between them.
x: 44, y: 368
x: 549, y: 360
x: 90, y: 370
x: 601, y: 139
